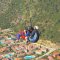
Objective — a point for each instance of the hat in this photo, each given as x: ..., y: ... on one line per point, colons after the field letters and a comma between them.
x: 36, y: 27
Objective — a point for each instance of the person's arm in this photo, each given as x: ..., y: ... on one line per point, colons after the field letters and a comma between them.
x: 33, y: 33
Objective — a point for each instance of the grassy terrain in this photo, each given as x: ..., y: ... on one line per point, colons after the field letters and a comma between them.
x: 44, y: 13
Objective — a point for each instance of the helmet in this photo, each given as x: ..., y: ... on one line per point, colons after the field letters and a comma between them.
x: 36, y: 27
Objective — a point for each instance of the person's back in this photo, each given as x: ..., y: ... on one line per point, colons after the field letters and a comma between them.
x: 34, y: 36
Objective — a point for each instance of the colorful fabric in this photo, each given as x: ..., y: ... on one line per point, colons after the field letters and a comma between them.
x: 22, y: 35
x: 27, y: 33
x: 18, y: 36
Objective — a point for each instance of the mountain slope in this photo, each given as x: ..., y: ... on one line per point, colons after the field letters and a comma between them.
x: 44, y: 13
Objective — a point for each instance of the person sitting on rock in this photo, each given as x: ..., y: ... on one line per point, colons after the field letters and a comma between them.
x: 24, y: 34
x: 34, y: 35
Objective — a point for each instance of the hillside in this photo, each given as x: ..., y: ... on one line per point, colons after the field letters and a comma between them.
x: 44, y: 13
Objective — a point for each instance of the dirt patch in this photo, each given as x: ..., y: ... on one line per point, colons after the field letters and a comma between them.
x: 49, y: 43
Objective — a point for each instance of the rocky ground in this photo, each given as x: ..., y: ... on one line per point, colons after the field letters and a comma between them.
x: 41, y: 50
x: 49, y: 43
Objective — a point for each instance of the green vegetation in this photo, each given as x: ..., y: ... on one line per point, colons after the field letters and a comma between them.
x: 44, y: 13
